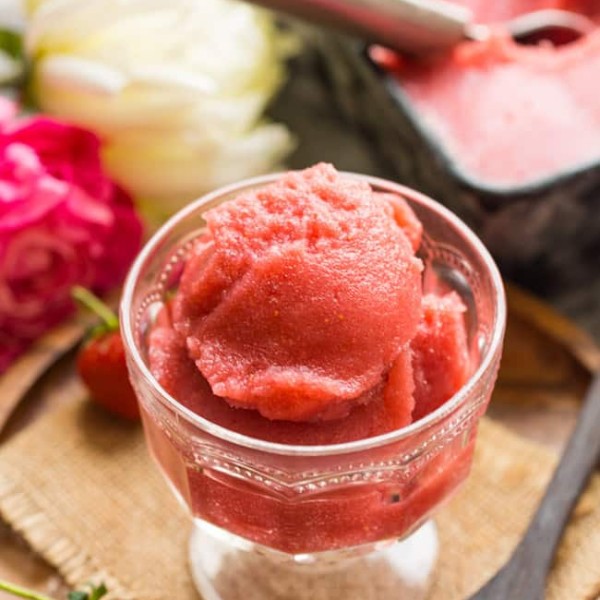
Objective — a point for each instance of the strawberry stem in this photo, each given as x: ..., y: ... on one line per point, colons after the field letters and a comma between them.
x: 93, y: 303
x: 21, y: 592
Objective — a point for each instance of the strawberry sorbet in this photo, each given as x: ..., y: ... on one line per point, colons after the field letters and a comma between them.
x: 301, y: 298
x: 300, y: 319
x: 505, y: 113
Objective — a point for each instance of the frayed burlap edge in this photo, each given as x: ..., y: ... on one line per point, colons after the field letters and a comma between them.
x: 51, y: 543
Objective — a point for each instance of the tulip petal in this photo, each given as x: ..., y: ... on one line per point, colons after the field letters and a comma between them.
x: 176, y: 91
x: 170, y: 75
x: 80, y: 73
x: 191, y: 166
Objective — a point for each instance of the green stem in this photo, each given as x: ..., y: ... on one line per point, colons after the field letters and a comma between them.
x: 93, y: 303
x: 21, y: 592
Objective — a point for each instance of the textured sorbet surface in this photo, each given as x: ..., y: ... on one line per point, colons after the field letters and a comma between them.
x: 300, y: 318
x: 509, y: 114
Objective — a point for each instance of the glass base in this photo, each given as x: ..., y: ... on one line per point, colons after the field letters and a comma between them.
x: 398, y: 570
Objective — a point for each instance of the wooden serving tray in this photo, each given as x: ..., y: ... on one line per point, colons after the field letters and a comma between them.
x: 546, y: 367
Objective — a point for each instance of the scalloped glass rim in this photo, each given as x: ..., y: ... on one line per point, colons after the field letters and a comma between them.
x: 493, y: 347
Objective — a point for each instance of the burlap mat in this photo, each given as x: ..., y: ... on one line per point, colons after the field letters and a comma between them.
x: 81, y: 489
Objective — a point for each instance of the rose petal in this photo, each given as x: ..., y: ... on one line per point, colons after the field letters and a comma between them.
x: 62, y: 222
x: 8, y: 110
x: 21, y: 206
x: 121, y: 245
x: 67, y: 152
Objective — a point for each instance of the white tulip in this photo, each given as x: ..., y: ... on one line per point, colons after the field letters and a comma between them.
x: 12, y: 15
x: 176, y: 89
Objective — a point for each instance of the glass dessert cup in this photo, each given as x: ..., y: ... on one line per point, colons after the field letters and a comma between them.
x: 348, y: 520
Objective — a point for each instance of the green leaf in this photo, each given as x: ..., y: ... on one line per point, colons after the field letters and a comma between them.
x: 12, y: 43
x: 98, y: 592
x: 95, y: 593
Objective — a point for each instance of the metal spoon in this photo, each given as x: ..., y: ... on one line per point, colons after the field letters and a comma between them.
x: 524, y: 575
x: 421, y: 26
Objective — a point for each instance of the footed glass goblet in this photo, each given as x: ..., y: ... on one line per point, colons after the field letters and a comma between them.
x: 347, y: 520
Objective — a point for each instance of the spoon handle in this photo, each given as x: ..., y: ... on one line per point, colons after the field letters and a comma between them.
x: 576, y: 465
x: 409, y: 25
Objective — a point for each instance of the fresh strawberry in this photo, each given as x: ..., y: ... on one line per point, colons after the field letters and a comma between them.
x: 101, y: 361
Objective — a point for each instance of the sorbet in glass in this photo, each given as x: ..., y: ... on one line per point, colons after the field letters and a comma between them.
x: 300, y: 319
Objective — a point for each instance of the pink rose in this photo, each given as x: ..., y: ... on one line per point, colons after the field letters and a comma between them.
x: 62, y: 222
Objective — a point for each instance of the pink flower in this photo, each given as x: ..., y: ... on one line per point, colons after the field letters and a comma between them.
x: 62, y: 222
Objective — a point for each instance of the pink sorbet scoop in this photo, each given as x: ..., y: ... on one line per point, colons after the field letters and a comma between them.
x: 301, y: 296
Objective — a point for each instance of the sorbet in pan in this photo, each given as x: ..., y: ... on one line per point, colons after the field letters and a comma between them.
x: 507, y: 114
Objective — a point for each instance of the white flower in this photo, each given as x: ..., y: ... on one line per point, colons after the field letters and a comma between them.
x: 11, y: 15
x: 175, y: 88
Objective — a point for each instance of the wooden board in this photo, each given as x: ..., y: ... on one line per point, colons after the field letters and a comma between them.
x: 546, y: 368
